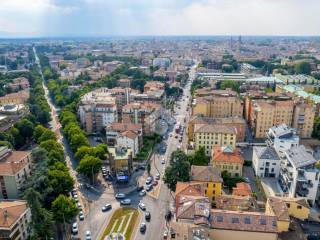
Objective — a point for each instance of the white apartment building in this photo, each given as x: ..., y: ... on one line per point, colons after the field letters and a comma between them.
x: 282, y: 138
x: 265, y: 162
x: 97, y: 109
x: 129, y: 139
x: 298, y: 175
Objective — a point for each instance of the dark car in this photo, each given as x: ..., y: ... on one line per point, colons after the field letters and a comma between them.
x: 143, y: 227
x: 139, y: 188
x: 147, y: 216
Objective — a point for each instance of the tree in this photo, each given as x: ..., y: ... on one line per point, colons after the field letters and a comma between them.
x: 100, y: 151
x: 64, y: 209
x: 47, y: 135
x: 235, y: 86
x: 199, y: 158
x: 41, y: 219
x: 39, y: 154
x: 83, y: 151
x: 25, y: 128
x: 179, y: 170
x: 302, y: 68
x: 18, y: 139
x: 89, y: 166
x: 60, y: 179
x: 77, y: 141
x: 230, y: 181
x: 38, y: 130
x: 316, y: 128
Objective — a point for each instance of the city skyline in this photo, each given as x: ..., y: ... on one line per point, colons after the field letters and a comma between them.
x: 96, y: 18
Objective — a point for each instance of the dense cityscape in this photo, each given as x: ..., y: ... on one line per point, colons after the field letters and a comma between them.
x: 149, y: 137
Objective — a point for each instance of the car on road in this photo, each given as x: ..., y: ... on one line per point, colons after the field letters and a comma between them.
x: 81, y: 216
x: 155, y: 183
x: 163, y: 161
x: 79, y: 205
x: 165, y: 235
x: 157, y: 176
x: 149, y: 187
x: 139, y: 188
x: 143, y: 227
x: 147, y: 216
x: 88, y: 235
x: 126, y: 201
x: 106, y: 207
x: 246, y: 179
x: 142, y: 206
x: 120, y: 196
x: 142, y: 193
x: 75, y: 228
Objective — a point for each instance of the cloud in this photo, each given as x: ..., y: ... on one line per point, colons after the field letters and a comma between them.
x: 160, y: 17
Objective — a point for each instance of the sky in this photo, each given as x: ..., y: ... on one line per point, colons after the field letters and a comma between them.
x: 50, y: 18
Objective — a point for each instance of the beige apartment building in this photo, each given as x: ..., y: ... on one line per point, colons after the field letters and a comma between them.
x: 15, y: 218
x: 268, y: 113
x: 217, y: 103
x: 303, y: 119
x: 144, y: 113
x: 206, y: 136
x: 265, y: 110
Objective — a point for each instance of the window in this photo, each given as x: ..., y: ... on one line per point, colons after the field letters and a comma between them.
x: 299, y: 207
x: 219, y: 218
x: 213, y: 192
x: 274, y: 223
x: 205, y: 191
x: 214, y: 185
x: 247, y: 220
x: 235, y: 220
x: 207, y: 184
x: 288, y: 205
x: 213, y: 198
x: 263, y: 221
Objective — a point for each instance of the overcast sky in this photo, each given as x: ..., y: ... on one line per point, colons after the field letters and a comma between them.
x: 158, y: 17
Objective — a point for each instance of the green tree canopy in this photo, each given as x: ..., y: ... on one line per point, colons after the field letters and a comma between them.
x: 89, y: 166
x: 199, y: 158
x: 302, y: 68
x: 64, y: 209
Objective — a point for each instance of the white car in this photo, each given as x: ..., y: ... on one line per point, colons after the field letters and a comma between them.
x: 142, y: 206
x: 163, y: 161
x: 120, y: 196
x: 75, y: 228
x: 88, y: 235
x: 142, y: 193
x: 157, y: 176
x: 126, y: 201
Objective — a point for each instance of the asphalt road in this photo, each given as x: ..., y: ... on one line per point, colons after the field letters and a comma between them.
x: 159, y: 207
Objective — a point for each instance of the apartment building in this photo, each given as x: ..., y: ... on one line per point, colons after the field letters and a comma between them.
x: 15, y: 168
x: 20, y: 97
x: 282, y: 138
x: 237, y: 122
x: 129, y: 139
x: 268, y: 113
x: 211, y: 177
x: 114, y: 130
x: 145, y: 113
x: 265, y: 162
x: 206, y: 136
x: 19, y: 83
x: 262, y: 111
x: 303, y: 119
x: 15, y: 218
x: 153, y: 86
x: 298, y: 175
x: 120, y: 160
x: 218, y: 105
x: 97, y: 109
x: 227, y: 159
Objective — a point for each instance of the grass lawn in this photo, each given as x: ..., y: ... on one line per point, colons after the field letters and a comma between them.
x: 148, y: 144
x: 122, y: 215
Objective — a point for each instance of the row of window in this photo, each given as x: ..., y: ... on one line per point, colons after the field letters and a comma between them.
x: 247, y: 220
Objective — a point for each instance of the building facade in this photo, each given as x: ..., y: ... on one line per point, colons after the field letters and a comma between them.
x: 206, y: 136
x: 15, y: 168
x: 265, y: 162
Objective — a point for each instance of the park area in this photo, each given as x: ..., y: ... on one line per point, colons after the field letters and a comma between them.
x: 122, y: 221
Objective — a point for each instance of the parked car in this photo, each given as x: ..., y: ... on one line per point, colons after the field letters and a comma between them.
x: 106, y: 207
x: 88, y: 235
x: 155, y: 183
x: 142, y: 206
x: 143, y: 227
x: 165, y: 235
x: 149, y: 180
x: 157, y: 176
x: 120, y: 196
x: 139, y: 188
x: 142, y: 193
x: 79, y: 205
x: 163, y: 161
x: 149, y: 187
x: 81, y: 216
x: 147, y: 216
x: 75, y: 228
x: 126, y: 201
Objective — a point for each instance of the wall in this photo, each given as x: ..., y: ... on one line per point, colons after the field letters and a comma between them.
x: 221, y: 234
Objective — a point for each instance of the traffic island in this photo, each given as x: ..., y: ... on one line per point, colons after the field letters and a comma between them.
x: 121, y: 224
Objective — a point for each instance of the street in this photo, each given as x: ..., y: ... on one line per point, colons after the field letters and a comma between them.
x: 92, y: 200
